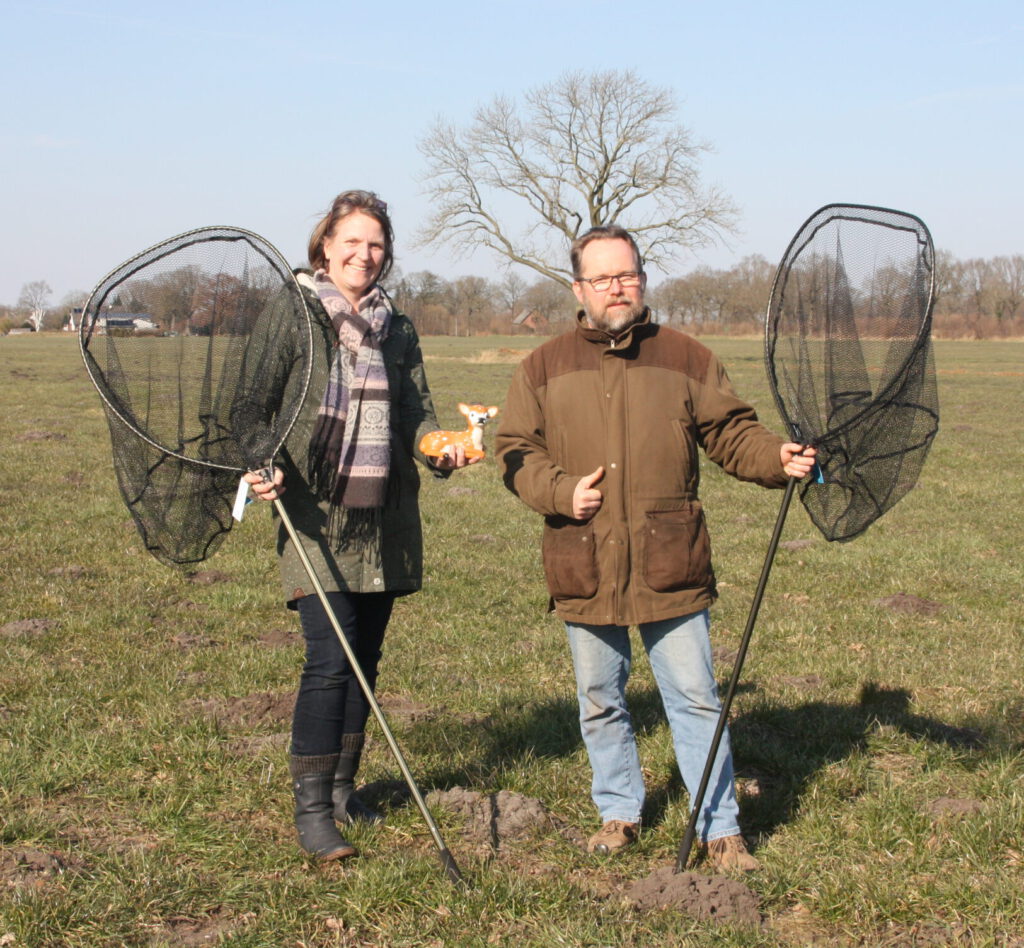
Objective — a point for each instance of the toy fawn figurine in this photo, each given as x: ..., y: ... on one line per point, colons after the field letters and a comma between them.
x: 472, y: 439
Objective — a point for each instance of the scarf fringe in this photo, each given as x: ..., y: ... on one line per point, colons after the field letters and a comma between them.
x: 358, y: 526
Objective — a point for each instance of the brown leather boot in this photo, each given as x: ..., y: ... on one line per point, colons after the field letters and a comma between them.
x: 614, y: 835
x: 730, y: 853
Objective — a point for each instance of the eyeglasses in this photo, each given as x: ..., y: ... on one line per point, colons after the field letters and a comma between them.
x: 626, y: 280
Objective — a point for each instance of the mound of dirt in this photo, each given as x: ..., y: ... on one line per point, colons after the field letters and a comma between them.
x: 708, y: 898
x: 495, y: 817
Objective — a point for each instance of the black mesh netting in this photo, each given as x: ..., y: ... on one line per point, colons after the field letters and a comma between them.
x: 849, y: 358
x: 200, y: 349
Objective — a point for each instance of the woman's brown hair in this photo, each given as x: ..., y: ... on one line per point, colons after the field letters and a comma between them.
x: 349, y: 202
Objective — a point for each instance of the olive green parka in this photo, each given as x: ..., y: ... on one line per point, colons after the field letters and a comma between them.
x: 390, y: 559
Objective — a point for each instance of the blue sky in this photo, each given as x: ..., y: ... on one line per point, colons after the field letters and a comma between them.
x: 125, y: 123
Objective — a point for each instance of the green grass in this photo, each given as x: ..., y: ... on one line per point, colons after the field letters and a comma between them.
x: 172, y: 821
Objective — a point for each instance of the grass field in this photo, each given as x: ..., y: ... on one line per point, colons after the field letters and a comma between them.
x: 878, y: 729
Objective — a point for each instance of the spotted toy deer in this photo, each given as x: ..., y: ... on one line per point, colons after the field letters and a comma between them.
x: 472, y: 439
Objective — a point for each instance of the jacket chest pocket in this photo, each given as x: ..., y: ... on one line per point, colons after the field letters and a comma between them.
x: 570, y: 558
x: 677, y: 549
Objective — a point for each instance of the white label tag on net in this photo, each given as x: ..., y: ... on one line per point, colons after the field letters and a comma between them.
x: 241, y: 499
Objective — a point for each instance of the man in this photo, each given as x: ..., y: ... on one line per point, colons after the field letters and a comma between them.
x: 600, y: 435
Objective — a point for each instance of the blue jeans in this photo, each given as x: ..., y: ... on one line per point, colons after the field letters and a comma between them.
x: 680, y: 654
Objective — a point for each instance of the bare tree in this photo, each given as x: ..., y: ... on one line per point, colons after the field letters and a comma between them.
x: 510, y: 290
x: 587, y: 150
x: 1009, y: 276
x: 33, y: 299
x: 469, y: 298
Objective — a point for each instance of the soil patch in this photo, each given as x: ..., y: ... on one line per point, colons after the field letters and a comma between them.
x: 191, y: 640
x: 67, y: 572
x: 724, y: 655
x: 708, y: 898
x: 279, y: 638
x: 207, y: 930
x: 257, y: 744
x: 911, y: 605
x: 265, y: 709
x: 84, y: 823
x: 795, y: 544
x: 400, y: 706
x: 43, y: 436
x: 208, y: 577
x: 29, y: 868
x: 797, y: 926
x: 953, y: 807
x: 23, y: 628
x: 503, y: 356
x: 498, y: 817
x: 802, y: 682
x: 461, y: 491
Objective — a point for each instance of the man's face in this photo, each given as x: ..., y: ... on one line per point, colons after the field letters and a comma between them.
x: 618, y: 306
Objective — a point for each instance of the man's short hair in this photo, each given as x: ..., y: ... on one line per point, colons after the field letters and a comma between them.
x: 605, y: 232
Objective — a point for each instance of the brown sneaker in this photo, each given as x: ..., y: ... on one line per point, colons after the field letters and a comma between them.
x: 615, y: 834
x: 730, y: 852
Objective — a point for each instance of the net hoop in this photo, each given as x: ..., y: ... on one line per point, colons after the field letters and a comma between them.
x: 211, y: 233
x: 862, y: 213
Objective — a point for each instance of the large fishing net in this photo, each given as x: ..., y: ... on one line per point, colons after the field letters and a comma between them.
x: 200, y: 349
x: 849, y: 358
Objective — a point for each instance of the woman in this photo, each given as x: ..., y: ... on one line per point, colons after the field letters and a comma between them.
x: 348, y: 482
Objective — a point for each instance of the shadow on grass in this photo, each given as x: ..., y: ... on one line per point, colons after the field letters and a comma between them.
x: 782, y: 747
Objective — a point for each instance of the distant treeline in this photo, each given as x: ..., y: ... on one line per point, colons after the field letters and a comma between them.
x: 975, y: 299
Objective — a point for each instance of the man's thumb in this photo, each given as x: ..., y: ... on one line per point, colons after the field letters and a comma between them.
x: 591, y: 479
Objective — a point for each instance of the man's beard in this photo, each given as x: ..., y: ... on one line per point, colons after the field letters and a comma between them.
x: 619, y: 319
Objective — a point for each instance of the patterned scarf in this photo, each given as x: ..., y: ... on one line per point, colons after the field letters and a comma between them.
x: 350, y: 450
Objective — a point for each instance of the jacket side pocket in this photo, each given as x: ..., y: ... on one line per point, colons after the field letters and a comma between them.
x: 570, y: 558
x: 677, y: 549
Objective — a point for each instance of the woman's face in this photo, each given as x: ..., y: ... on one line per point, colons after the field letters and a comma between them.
x: 355, y: 254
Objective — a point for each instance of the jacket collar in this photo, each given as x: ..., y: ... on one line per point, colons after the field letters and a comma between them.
x: 622, y: 340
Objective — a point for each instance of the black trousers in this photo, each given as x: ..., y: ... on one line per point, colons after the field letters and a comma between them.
x: 330, y: 702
